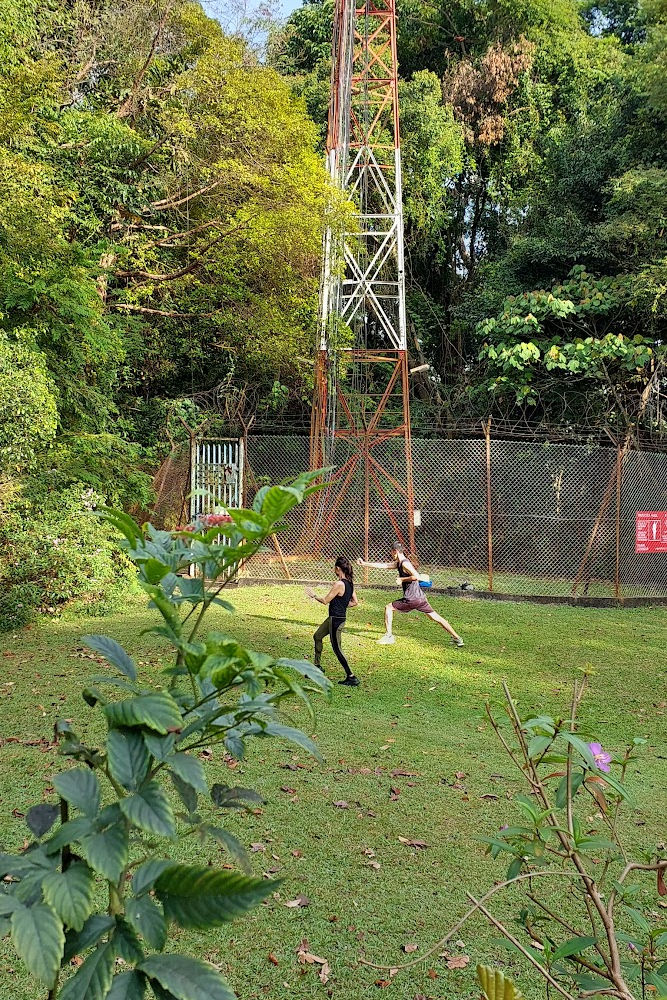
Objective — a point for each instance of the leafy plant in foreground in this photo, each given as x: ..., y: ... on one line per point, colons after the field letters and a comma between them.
x: 116, y: 820
x: 585, y: 922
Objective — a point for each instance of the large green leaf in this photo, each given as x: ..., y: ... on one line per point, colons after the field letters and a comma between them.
x: 94, y: 928
x: 144, y: 878
x: 189, y: 769
x: 124, y: 523
x: 204, y: 897
x: 149, y: 809
x: 73, y: 830
x: 107, y: 852
x: 128, y: 757
x: 249, y: 523
x: 294, y: 736
x: 187, y: 978
x: 92, y: 979
x: 148, y: 920
x: 113, y: 652
x: 126, y: 942
x: 277, y: 501
x: 41, y: 818
x: 496, y: 986
x: 39, y: 938
x: 160, y: 746
x: 70, y: 893
x: 157, y: 710
x: 80, y: 788
x: 127, y: 986
x: 186, y: 793
x: 573, y: 947
x: 166, y: 609
x: 232, y: 845
x: 307, y: 670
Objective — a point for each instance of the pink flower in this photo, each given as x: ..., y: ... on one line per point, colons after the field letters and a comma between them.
x: 213, y: 520
x: 601, y: 757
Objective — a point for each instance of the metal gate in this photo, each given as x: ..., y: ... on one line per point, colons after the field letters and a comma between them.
x: 216, y: 475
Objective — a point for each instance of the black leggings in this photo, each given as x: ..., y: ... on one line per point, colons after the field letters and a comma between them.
x: 333, y: 628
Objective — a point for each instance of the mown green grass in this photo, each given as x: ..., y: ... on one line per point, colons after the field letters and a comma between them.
x: 420, y: 708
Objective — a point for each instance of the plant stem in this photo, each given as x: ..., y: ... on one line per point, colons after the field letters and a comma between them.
x: 517, y: 944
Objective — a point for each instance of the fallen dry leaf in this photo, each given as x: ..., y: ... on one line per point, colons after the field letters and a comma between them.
x: 258, y: 847
x: 298, y: 902
x: 306, y: 957
x: 297, y: 854
x: 325, y: 972
x: 272, y: 959
x: 410, y: 947
x: 432, y: 974
x: 458, y: 961
x: 413, y: 843
x: 399, y: 773
x: 288, y: 790
x: 662, y: 888
x: 383, y: 982
x: 375, y: 865
x: 369, y: 852
x: 342, y: 804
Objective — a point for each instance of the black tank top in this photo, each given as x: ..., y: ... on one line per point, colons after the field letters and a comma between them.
x: 411, y: 588
x: 338, y: 606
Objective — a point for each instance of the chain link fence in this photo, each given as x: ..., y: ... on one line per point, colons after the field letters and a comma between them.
x: 519, y: 518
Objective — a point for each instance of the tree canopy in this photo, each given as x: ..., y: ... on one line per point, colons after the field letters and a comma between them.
x: 535, y: 179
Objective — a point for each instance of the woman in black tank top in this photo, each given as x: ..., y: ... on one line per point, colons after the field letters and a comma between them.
x: 341, y: 596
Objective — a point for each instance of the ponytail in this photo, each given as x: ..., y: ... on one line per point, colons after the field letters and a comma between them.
x: 344, y: 564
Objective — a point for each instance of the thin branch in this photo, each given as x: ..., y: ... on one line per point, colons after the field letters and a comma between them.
x: 178, y: 200
x: 126, y: 107
x: 524, y: 951
x: 459, y: 924
x: 173, y: 313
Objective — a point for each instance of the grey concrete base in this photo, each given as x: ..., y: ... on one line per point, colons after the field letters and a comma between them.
x: 488, y: 595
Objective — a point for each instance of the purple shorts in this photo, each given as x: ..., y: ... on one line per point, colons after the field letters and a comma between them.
x: 412, y: 604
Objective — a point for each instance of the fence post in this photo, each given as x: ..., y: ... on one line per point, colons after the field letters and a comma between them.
x: 489, y: 512
x: 619, y: 480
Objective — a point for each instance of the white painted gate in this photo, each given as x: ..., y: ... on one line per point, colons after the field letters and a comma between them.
x: 216, y: 466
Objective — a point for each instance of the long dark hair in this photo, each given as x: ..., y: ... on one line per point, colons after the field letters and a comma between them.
x: 344, y: 564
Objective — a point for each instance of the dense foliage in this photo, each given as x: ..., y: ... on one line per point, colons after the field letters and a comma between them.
x: 161, y: 207
x: 535, y: 176
x: 118, y: 818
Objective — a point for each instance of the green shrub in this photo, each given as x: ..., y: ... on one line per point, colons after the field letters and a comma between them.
x: 52, y: 545
x: 105, y: 463
x: 28, y: 413
x: 18, y: 606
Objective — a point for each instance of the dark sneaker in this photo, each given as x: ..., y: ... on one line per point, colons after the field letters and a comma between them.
x: 351, y: 681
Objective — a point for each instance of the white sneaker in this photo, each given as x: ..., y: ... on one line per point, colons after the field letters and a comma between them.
x: 386, y: 639
x: 458, y: 642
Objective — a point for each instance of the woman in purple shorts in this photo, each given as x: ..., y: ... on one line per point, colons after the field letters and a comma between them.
x: 413, y: 599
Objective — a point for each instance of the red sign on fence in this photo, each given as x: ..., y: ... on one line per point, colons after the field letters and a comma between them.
x: 651, y: 531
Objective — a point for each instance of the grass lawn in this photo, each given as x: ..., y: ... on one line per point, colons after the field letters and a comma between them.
x: 419, y: 709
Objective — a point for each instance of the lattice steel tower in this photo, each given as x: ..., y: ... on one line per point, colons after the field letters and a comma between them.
x: 361, y: 410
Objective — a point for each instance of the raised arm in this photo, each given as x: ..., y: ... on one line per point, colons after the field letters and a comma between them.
x: 337, y: 589
x: 378, y: 565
